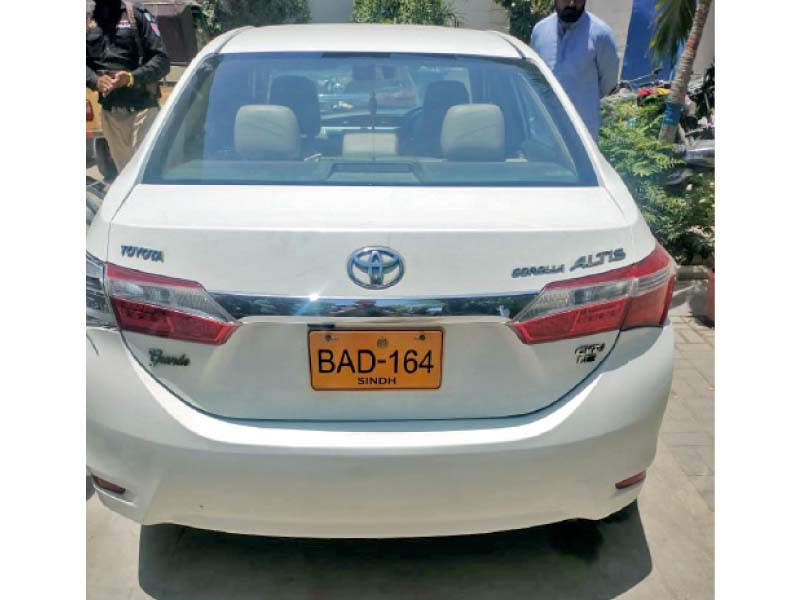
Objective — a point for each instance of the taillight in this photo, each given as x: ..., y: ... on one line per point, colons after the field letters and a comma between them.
x: 166, y: 307
x: 98, y: 311
x: 634, y: 296
x: 89, y: 112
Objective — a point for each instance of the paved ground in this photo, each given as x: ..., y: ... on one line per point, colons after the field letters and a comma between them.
x: 662, y: 549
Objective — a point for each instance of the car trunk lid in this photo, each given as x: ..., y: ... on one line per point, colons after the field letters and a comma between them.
x: 275, y: 258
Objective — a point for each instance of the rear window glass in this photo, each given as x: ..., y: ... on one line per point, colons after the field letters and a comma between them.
x: 377, y: 119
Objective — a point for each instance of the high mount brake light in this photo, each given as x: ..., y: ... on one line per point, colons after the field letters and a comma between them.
x: 166, y: 307
x: 633, y: 296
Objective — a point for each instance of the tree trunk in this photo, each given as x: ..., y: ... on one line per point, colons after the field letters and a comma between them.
x: 677, y: 91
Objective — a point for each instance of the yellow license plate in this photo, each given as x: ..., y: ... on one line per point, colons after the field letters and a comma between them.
x: 375, y: 360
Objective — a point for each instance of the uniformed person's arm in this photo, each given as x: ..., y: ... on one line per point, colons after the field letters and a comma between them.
x: 91, y: 78
x: 155, y: 65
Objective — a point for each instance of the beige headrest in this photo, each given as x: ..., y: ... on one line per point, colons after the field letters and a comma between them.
x: 266, y: 132
x: 474, y: 132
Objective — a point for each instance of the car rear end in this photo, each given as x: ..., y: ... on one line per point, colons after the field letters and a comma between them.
x: 345, y: 328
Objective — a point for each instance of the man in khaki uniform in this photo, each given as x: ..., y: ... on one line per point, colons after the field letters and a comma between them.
x: 125, y: 59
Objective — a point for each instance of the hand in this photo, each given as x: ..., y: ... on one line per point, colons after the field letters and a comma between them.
x: 121, y: 79
x: 105, y: 83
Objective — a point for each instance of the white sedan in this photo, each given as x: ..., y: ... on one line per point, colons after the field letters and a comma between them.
x: 372, y: 281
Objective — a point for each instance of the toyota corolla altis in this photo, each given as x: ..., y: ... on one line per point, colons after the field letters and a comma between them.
x: 372, y: 281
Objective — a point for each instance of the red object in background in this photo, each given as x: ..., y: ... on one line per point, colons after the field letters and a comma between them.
x: 89, y: 112
x: 710, y: 298
x: 645, y: 92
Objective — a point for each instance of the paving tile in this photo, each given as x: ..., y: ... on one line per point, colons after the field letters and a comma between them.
x: 695, y: 378
x: 702, y: 413
x: 678, y: 414
x: 690, y: 425
x: 682, y: 363
x: 681, y: 387
x: 688, y: 384
x: 694, y: 438
x: 706, y: 369
x: 707, y: 454
x: 679, y: 528
x: 692, y: 337
x: 704, y: 484
x: 691, y: 461
x: 695, y: 351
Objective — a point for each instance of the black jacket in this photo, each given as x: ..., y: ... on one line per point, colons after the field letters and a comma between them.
x: 111, y: 46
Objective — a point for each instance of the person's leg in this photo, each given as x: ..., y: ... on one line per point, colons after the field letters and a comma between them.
x: 142, y: 122
x: 118, y: 130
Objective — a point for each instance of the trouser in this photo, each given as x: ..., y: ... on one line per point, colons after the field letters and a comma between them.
x: 125, y: 129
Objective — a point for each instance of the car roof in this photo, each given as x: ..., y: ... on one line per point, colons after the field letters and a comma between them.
x: 356, y: 37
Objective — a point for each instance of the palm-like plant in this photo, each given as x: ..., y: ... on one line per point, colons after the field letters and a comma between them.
x: 672, y: 25
x: 678, y: 21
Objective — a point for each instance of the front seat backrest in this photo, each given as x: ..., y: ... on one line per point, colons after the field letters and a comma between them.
x: 474, y: 132
x: 299, y: 94
x: 266, y: 132
x: 439, y: 97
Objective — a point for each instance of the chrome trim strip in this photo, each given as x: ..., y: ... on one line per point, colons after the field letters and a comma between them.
x: 240, y: 305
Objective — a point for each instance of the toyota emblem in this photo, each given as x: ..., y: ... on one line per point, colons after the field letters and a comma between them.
x: 375, y: 267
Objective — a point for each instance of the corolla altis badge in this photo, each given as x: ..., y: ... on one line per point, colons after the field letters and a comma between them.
x: 543, y: 270
x: 589, y: 261
x: 157, y: 357
x: 375, y: 267
x: 143, y: 253
x: 586, y: 261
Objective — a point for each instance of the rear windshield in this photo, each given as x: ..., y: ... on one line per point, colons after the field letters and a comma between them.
x: 377, y: 119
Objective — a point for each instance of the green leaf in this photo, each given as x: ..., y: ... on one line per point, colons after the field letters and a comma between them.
x: 672, y: 25
x: 682, y: 219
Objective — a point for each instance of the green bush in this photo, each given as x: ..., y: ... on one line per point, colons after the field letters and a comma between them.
x: 682, y: 218
x: 425, y: 12
x: 223, y: 15
x: 524, y: 14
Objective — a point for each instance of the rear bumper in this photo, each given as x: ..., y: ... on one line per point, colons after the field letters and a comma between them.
x: 402, y: 479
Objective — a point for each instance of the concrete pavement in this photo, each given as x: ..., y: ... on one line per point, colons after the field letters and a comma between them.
x: 661, y: 549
